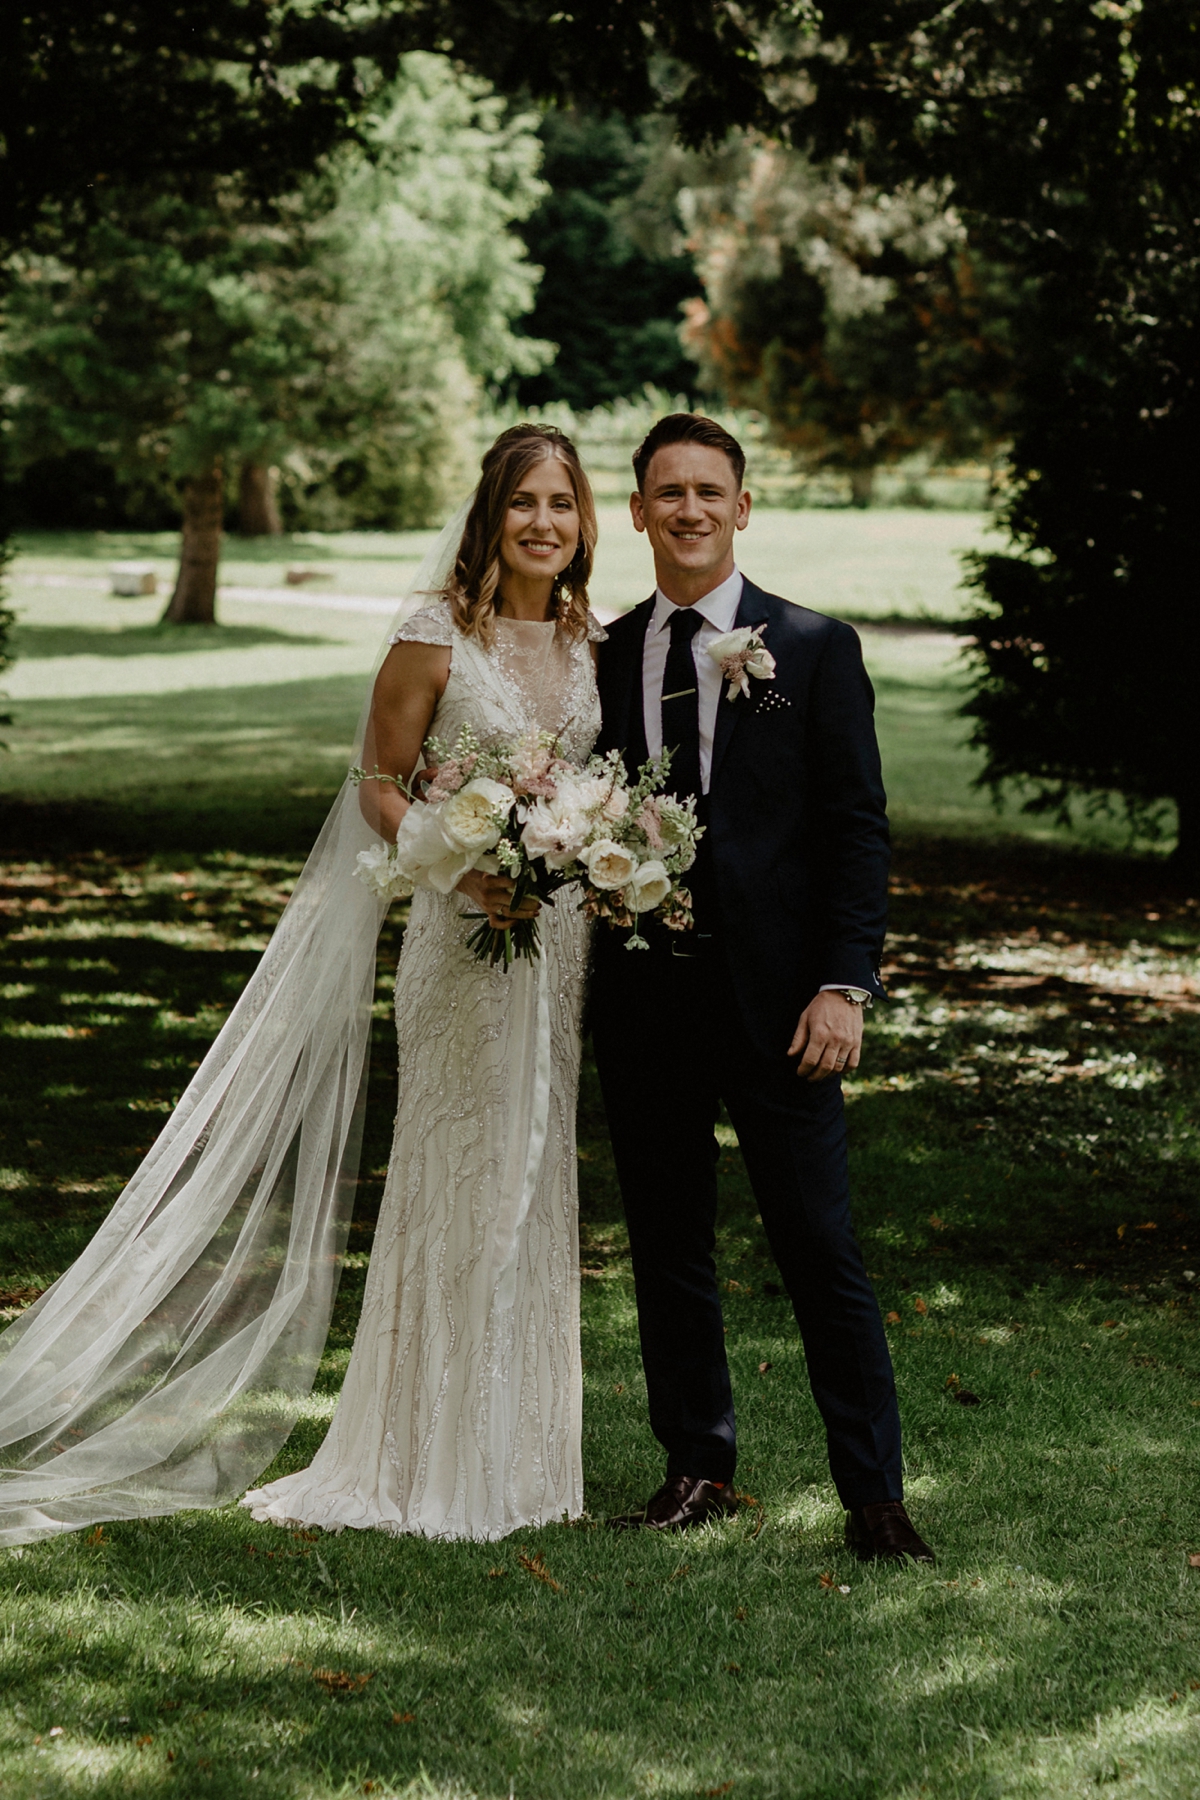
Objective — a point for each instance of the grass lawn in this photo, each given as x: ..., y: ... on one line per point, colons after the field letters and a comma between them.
x: 1025, y: 1161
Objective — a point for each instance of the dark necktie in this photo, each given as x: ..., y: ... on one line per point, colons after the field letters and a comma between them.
x: 681, y: 705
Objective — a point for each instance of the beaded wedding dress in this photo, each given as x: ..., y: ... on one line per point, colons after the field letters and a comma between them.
x: 460, y: 1412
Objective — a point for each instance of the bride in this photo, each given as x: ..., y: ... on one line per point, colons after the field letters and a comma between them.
x: 164, y: 1369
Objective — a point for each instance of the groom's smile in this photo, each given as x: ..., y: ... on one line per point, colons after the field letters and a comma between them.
x: 690, y: 508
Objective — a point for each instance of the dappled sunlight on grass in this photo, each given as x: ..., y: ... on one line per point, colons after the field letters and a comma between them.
x: 1038, y: 1658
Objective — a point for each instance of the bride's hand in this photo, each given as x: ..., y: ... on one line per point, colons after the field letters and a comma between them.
x: 493, y: 894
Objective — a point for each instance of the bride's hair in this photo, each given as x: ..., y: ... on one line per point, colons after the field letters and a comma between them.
x: 475, y: 579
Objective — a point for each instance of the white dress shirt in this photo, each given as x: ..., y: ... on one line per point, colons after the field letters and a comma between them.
x: 718, y: 610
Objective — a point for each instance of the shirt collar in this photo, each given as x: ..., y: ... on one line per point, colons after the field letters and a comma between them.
x: 719, y: 607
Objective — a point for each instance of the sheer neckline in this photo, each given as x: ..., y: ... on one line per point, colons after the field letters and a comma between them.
x: 522, y: 624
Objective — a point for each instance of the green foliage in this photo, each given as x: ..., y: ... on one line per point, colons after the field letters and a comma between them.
x: 351, y: 324
x: 1071, y: 137
x: 424, y: 279
x: 612, y: 307
x: 857, y: 319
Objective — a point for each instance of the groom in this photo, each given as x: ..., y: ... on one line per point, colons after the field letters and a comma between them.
x: 761, y: 1005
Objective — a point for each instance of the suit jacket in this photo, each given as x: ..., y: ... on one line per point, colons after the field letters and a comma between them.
x: 796, y: 816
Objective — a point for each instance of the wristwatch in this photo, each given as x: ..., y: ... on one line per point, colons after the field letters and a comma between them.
x: 856, y: 996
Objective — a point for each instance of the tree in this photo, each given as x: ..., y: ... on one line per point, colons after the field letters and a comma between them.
x: 167, y: 97
x: 170, y: 333
x: 426, y: 276
x: 1070, y: 135
x: 611, y: 306
x: 856, y: 319
x: 194, y: 336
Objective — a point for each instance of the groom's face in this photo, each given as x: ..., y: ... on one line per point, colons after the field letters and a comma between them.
x: 690, y: 509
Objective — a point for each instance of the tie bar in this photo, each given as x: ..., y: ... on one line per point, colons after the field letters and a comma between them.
x: 682, y: 694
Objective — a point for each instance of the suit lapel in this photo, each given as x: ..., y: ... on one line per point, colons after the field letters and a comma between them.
x: 752, y: 610
x: 628, y: 727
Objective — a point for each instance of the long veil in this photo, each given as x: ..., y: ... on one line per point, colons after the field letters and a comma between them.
x: 167, y: 1365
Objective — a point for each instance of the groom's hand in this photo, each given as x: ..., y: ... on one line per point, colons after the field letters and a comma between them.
x: 828, y: 1038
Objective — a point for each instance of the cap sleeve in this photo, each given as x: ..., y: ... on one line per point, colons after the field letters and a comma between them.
x: 432, y: 625
x: 596, y: 633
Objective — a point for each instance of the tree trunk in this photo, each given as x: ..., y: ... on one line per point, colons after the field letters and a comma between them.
x: 1185, y: 860
x: 258, y: 513
x: 194, y: 601
x: 862, y: 486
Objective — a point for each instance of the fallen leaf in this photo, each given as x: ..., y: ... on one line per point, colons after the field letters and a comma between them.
x: 140, y: 1742
x: 952, y: 1381
x: 938, y: 1224
x: 1121, y: 1230
x: 1194, y: 1562
x: 893, y: 1318
x: 618, y: 1387
x: 920, y: 1306
x: 1034, y: 1372
x: 309, y: 1537
x: 679, y: 1573
x: 763, y: 1367
x: 1110, y: 1324
x: 733, y: 1668
x: 96, y: 1537
x: 170, y: 1756
x: 1174, y: 1698
x: 827, y: 1580
x: 740, y: 1613
x: 403, y: 1718
x: 1150, y: 1225
x: 494, y: 1574
x: 337, y: 1681
x: 536, y: 1566
x: 715, y: 1793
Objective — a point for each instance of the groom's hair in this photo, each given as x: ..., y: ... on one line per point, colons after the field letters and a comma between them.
x: 687, y: 428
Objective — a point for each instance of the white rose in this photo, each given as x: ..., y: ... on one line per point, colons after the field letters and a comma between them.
x: 377, y: 869
x: 730, y: 643
x: 583, y: 793
x: 555, y: 830
x: 616, y: 804
x: 420, y: 839
x: 471, y: 819
x: 647, y: 887
x: 425, y: 856
x: 607, y: 864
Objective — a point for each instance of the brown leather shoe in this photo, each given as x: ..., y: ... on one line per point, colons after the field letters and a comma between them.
x: 883, y: 1530
x: 681, y: 1501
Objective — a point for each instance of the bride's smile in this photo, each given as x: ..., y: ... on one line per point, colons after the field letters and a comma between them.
x: 540, y: 537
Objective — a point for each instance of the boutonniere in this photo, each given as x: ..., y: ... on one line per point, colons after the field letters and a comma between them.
x: 741, y: 654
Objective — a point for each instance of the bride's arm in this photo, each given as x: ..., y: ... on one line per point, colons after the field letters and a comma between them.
x: 407, y: 690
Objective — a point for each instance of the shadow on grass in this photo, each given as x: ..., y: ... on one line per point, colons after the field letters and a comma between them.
x: 33, y: 642
x: 1028, y: 1093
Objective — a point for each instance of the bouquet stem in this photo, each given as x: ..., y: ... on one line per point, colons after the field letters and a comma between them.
x: 520, y: 939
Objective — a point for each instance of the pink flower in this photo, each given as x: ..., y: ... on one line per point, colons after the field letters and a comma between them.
x: 649, y: 821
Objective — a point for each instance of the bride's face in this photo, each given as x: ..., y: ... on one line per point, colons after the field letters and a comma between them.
x: 541, y: 527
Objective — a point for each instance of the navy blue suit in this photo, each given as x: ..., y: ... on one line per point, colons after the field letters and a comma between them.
x: 796, y: 878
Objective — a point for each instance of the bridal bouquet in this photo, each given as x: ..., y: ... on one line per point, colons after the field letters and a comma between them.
x: 517, y: 808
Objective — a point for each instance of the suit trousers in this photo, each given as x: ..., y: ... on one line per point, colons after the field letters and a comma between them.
x: 670, y: 1047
